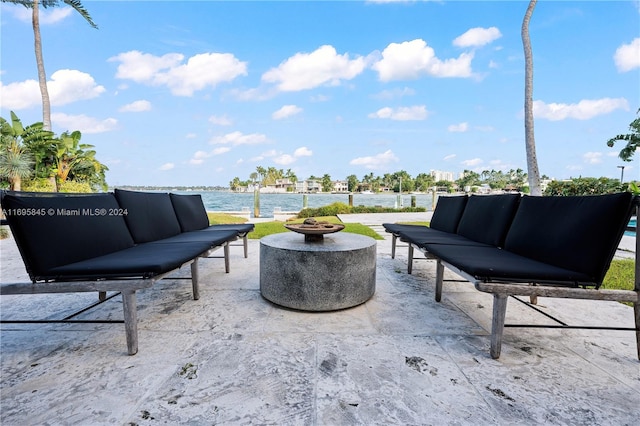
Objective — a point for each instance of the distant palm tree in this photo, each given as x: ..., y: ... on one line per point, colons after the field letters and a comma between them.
x: 530, y: 142
x: 35, y: 19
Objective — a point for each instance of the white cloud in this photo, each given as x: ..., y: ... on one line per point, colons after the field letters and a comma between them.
x: 47, y: 16
x: 166, y: 166
x: 220, y: 121
x: 220, y: 150
x: 413, y: 59
x: 84, y: 124
x: 286, y: 111
x: 394, y: 93
x: 627, y: 56
x: 449, y: 157
x: 417, y: 112
x: 309, y: 70
x: 136, y: 106
x: 183, y: 79
x: 477, y: 37
x: 592, y: 157
x: 303, y: 151
x: 583, y: 110
x: 472, y: 162
x: 239, y: 138
x: 65, y: 87
x: 284, y: 160
x: 199, y: 157
x: 377, y: 161
x: 458, y: 128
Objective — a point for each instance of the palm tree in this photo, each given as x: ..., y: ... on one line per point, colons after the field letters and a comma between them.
x: 35, y: 19
x: 16, y: 162
x: 632, y: 139
x: 530, y: 141
x: 77, y: 161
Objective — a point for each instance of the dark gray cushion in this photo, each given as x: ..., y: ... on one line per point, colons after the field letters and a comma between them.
x: 487, y: 263
x: 448, y: 212
x: 143, y: 260
x: 486, y: 218
x: 240, y: 228
x: 396, y: 228
x: 214, y: 239
x: 426, y: 236
x: 190, y: 211
x: 54, y: 229
x: 579, y: 233
x: 150, y: 215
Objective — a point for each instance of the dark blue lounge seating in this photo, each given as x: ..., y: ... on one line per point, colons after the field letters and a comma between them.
x: 529, y: 246
x: 192, y: 216
x: 122, y: 241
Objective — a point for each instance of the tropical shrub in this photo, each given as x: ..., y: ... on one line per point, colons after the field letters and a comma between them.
x: 585, y: 186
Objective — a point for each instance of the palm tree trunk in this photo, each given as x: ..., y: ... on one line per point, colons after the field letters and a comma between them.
x: 532, y: 162
x: 42, y: 76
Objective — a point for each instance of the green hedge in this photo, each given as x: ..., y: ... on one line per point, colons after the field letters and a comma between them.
x: 342, y: 208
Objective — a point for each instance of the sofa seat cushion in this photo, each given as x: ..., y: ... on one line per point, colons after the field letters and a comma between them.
x: 448, y: 213
x: 577, y: 232
x: 240, y: 228
x: 190, y: 211
x: 143, y: 261
x: 495, y: 264
x: 486, y: 218
x: 150, y: 215
x: 214, y: 239
x: 424, y: 236
x: 67, y: 228
x: 396, y: 228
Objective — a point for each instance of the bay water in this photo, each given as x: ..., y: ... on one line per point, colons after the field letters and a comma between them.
x: 224, y: 201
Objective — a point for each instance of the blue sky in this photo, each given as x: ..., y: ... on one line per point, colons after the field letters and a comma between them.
x: 200, y: 92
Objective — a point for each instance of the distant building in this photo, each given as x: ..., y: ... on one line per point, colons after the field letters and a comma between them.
x: 308, y: 186
x: 280, y: 186
x: 439, y: 175
x: 340, y: 186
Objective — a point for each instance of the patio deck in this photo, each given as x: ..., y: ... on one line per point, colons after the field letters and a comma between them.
x: 234, y: 358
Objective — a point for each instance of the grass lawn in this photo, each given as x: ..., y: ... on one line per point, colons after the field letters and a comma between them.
x: 267, y: 228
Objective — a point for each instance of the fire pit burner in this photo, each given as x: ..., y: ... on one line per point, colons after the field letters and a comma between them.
x: 314, y: 230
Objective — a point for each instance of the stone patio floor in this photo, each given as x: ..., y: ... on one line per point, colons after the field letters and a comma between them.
x: 232, y: 358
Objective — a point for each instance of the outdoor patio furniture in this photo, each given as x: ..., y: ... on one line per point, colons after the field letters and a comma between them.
x: 120, y: 242
x: 509, y: 245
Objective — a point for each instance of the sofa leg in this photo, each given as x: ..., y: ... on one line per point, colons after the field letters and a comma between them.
x: 636, y: 311
x: 195, y: 285
x: 410, y: 260
x: 393, y: 246
x: 439, y: 279
x: 226, y: 257
x: 130, y: 320
x: 497, y: 323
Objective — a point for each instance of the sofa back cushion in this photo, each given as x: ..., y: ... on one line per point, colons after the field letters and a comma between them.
x: 447, y: 213
x: 150, y: 215
x: 190, y: 211
x: 579, y: 233
x: 486, y: 218
x: 55, y: 229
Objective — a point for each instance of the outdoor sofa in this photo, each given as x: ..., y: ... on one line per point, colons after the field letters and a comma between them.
x: 510, y: 245
x: 122, y: 241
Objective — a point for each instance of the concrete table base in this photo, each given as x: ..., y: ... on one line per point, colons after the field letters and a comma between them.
x: 335, y: 273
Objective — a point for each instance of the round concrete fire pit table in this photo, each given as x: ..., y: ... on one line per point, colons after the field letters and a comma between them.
x: 334, y: 273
